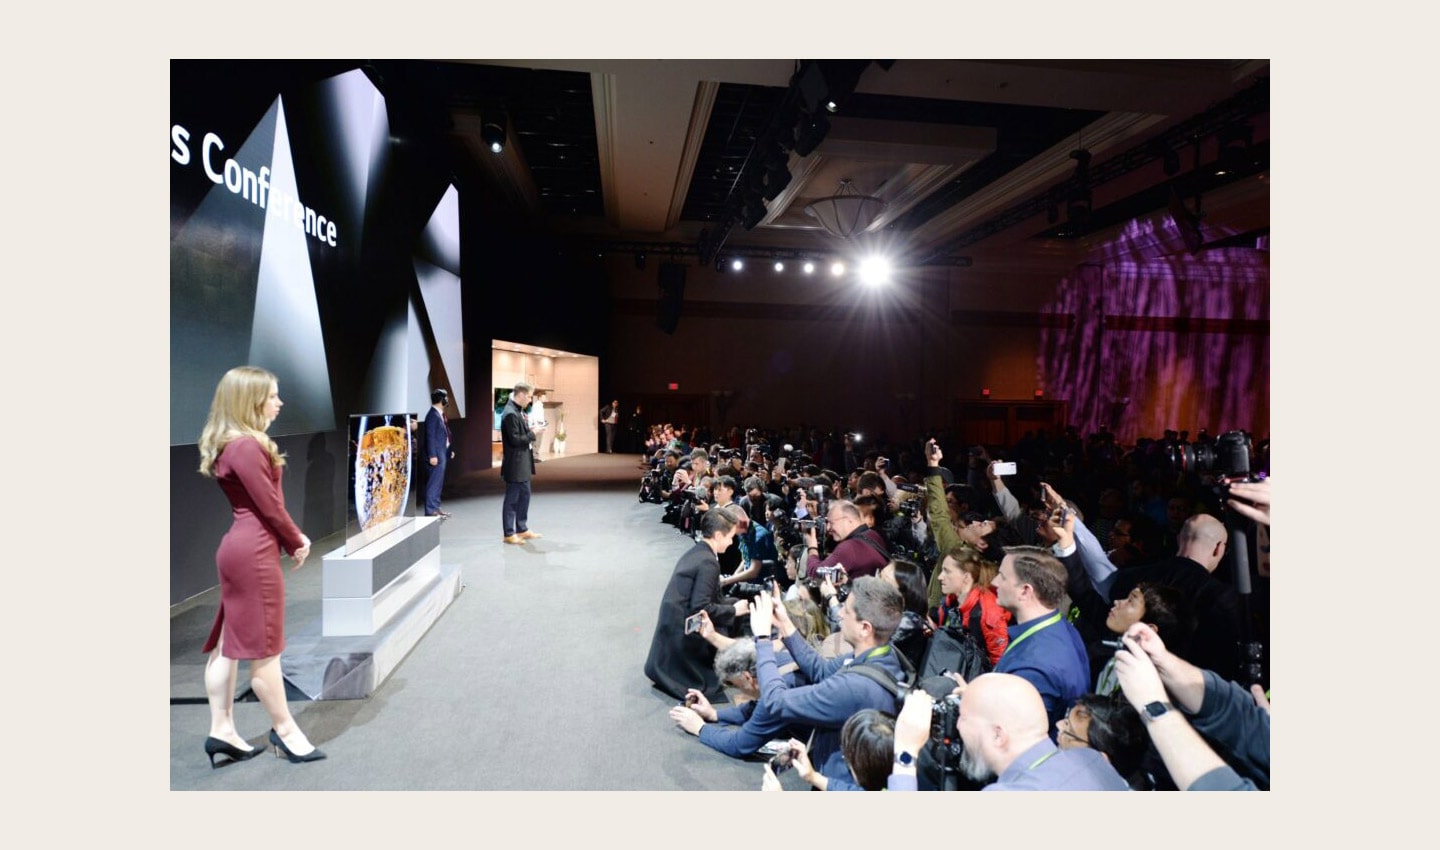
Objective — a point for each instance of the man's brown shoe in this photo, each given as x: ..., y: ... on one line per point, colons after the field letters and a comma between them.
x: 514, y: 538
x: 529, y: 535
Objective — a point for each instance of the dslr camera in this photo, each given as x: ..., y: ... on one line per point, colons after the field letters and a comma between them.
x: 746, y: 589
x: 944, y: 720
x: 1227, y: 458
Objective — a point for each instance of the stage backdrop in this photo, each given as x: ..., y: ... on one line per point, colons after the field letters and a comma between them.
x: 310, y: 236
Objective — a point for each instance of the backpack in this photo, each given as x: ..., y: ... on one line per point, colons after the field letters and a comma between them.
x: 959, y: 649
x: 881, y: 676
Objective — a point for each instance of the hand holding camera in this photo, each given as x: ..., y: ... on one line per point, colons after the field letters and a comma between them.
x: 933, y: 453
x: 912, y: 725
x: 1250, y: 499
x: 689, y: 714
x: 797, y: 756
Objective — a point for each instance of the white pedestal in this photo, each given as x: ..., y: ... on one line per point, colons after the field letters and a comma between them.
x: 376, y: 604
x: 362, y: 590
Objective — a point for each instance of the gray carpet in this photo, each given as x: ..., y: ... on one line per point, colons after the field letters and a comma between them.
x: 531, y: 680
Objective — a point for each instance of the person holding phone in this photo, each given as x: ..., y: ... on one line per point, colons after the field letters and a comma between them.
x: 740, y: 730
x: 679, y: 661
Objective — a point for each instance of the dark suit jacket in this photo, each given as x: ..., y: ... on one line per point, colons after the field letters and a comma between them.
x: 518, y: 462
x: 436, y: 437
x: 1215, y: 605
x: 678, y: 661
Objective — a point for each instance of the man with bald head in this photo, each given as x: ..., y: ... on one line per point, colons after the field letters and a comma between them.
x: 1199, y: 550
x: 1003, y: 724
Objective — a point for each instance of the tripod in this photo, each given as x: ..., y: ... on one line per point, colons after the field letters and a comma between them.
x: 1252, y: 669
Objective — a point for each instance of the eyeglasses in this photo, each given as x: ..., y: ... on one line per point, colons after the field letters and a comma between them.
x: 1064, y: 725
x: 1065, y: 732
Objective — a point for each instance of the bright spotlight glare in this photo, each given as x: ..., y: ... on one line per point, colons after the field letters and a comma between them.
x: 809, y: 268
x: 737, y: 264
x: 875, y: 271
x: 837, y: 269
x: 779, y: 266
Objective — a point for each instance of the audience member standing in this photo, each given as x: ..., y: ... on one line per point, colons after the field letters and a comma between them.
x: 610, y: 417
x: 1044, y: 648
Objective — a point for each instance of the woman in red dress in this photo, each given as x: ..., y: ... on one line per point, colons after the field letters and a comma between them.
x: 250, y: 624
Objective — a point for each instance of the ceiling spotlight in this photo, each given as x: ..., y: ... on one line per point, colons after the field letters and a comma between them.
x: 493, y: 134
x: 809, y: 267
x: 737, y: 264
x: 779, y: 266
x: 837, y: 268
x: 875, y: 271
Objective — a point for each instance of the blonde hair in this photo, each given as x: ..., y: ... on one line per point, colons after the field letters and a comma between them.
x: 236, y: 411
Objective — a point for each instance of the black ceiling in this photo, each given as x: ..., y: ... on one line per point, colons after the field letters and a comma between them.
x: 553, y: 121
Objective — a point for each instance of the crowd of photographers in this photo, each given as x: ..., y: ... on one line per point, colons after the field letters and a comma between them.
x: 1060, y: 614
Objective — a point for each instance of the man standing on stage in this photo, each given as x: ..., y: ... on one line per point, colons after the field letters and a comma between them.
x: 437, y: 447
x: 517, y: 465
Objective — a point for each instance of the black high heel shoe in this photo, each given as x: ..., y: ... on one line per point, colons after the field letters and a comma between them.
x: 214, y: 746
x: 282, y: 750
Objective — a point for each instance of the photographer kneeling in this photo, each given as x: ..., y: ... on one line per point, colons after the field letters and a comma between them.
x: 679, y: 660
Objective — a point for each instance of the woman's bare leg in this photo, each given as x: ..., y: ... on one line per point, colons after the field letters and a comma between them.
x: 220, y: 674
x: 269, y: 686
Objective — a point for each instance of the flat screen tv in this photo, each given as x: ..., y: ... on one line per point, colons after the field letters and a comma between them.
x: 381, y: 459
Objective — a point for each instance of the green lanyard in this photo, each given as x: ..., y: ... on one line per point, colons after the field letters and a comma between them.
x: 873, y: 652
x: 1041, y: 760
x: 1032, y: 630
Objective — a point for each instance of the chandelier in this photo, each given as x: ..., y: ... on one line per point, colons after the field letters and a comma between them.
x: 847, y: 212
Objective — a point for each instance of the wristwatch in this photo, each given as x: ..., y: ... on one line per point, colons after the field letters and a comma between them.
x: 1156, y: 710
x: 905, y: 759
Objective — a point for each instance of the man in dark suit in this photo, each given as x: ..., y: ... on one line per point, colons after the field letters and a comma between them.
x: 437, y: 448
x: 1216, y: 605
x: 517, y: 465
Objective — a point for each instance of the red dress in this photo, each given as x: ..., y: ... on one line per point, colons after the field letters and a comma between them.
x: 252, y: 586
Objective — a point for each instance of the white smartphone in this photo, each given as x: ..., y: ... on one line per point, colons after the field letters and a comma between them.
x: 1004, y: 467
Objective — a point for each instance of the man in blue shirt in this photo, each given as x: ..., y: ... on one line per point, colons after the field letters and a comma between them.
x: 1044, y: 649
x: 867, y: 620
x: 735, y: 730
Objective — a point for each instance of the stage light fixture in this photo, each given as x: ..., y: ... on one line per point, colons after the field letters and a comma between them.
x: 810, y: 133
x: 640, y: 261
x: 837, y: 268
x: 777, y: 177
x: 492, y: 133
x: 875, y: 271
x: 779, y: 266
x: 1234, y: 144
x: 831, y: 106
x: 809, y: 268
x: 737, y: 264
